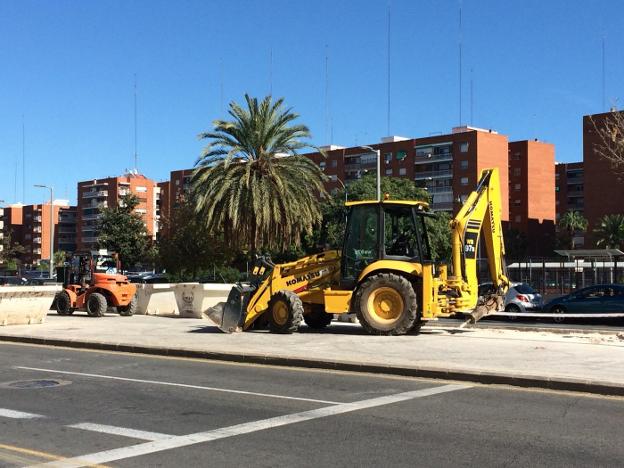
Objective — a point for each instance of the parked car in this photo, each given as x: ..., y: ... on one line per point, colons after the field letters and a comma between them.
x: 12, y: 281
x: 599, y: 299
x: 520, y: 298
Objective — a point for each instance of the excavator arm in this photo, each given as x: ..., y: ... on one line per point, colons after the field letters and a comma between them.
x: 481, y: 213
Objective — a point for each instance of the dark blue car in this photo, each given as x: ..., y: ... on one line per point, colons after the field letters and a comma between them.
x: 599, y: 299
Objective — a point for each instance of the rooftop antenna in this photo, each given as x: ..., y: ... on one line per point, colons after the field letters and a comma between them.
x: 327, y: 94
x: 221, y: 85
x: 15, y: 182
x: 604, y: 80
x: 23, y: 160
x: 136, y: 154
x: 388, y: 71
x: 271, y: 72
x: 460, y: 62
x: 471, y: 99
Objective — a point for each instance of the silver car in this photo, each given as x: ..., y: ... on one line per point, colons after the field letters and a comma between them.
x: 520, y: 298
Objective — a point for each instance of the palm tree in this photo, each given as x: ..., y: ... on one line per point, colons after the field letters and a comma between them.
x: 573, y: 221
x: 610, y: 231
x: 250, y: 182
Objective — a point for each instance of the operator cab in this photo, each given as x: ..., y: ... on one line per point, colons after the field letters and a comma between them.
x: 386, y: 230
x: 84, y: 265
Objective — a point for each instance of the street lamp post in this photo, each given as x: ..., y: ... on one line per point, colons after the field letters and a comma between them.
x: 378, y: 154
x: 51, y: 227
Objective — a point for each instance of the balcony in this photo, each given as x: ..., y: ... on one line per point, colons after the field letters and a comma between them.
x: 424, y: 175
x: 89, y: 240
x: 66, y: 230
x: 424, y: 158
x: 433, y: 190
x: 95, y: 194
x: 444, y: 206
x: 37, y: 240
x: 91, y: 217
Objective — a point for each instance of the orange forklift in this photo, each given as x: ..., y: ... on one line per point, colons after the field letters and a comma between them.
x: 92, y: 282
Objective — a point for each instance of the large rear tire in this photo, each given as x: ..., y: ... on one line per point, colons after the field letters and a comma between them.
x: 63, y: 304
x: 96, y: 305
x: 317, y: 318
x: 386, y: 304
x: 130, y: 309
x: 285, y: 312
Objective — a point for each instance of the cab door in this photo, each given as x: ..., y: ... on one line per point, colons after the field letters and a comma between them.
x: 361, y: 244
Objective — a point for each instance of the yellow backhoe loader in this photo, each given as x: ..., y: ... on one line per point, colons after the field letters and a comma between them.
x: 384, y: 273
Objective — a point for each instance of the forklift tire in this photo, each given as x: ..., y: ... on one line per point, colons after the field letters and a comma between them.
x: 63, y: 304
x: 317, y: 318
x: 285, y: 312
x: 96, y: 305
x: 130, y: 309
x: 386, y: 304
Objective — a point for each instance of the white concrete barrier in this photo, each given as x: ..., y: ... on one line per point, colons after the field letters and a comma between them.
x: 189, y: 300
x: 194, y: 298
x: 25, y: 305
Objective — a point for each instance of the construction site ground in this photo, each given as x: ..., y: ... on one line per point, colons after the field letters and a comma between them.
x: 586, y: 362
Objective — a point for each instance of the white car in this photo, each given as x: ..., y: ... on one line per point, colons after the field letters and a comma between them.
x: 520, y: 298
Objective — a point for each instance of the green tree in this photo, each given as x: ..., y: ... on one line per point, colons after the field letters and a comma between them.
x: 121, y: 230
x: 610, y: 231
x: 11, y: 250
x: 59, y: 258
x: 250, y: 182
x: 440, y: 237
x: 187, y: 250
x: 571, y: 222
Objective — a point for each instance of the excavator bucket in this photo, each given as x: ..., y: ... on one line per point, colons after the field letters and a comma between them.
x: 492, y: 304
x: 229, y: 316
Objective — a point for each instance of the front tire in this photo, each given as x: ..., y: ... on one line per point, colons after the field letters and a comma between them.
x: 556, y: 311
x: 96, y: 305
x: 63, y: 304
x: 285, y: 312
x: 386, y: 304
x: 130, y: 309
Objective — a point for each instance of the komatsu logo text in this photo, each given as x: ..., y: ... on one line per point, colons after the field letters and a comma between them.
x: 307, y: 277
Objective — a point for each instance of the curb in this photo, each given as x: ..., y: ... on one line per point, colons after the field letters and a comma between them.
x: 533, y: 329
x: 482, y: 377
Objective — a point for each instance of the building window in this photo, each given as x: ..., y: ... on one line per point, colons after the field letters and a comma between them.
x: 518, y: 218
x: 463, y: 147
x: 517, y: 171
x: 515, y: 157
x: 402, y: 171
x: 464, y: 181
x: 517, y: 201
x: 463, y: 164
x: 388, y: 157
x: 140, y: 189
x: 333, y: 177
x: 401, y: 155
x: 334, y: 163
x: 322, y: 165
x: 388, y: 171
x: 517, y: 187
x: 557, y: 188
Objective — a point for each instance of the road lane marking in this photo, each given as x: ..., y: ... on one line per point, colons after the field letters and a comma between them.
x: 122, y: 431
x: 173, y: 384
x: 36, y: 454
x: 7, y: 413
x: 244, y: 428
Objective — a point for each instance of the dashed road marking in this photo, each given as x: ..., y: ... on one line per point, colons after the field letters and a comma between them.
x: 122, y: 431
x: 244, y: 428
x: 7, y: 413
x: 173, y: 384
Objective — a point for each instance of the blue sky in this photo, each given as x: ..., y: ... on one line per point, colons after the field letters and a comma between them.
x: 67, y: 68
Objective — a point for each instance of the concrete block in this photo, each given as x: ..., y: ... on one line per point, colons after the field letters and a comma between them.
x: 25, y: 305
x: 194, y: 298
x: 157, y: 299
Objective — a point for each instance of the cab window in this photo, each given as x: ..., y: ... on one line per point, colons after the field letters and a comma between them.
x: 360, y: 248
x: 400, y: 237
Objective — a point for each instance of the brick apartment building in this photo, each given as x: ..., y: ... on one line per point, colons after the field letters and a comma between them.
x: 569, y: 190
x: 172, y: 191
x: 603, y: 187
x: 30, y: 225
x: 531, y: 194
x: 93, y: 195
x: 447, y: 166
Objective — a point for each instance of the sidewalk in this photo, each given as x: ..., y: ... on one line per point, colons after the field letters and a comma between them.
x: 577, y: 362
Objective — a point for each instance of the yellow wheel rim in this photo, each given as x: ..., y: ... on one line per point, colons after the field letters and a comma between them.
x: 280, y: 313
x: 385, y: 304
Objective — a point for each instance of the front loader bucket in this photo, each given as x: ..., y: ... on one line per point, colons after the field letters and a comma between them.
x: 229, y: 316
x: 491, y: 304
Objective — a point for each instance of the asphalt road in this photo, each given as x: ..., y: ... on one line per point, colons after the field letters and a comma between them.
x: 134, y: 411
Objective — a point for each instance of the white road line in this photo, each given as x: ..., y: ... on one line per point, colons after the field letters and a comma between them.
x: 7, y: 413
x: 173, y: 384
x: 122, y: 431
x: 245, y: 428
